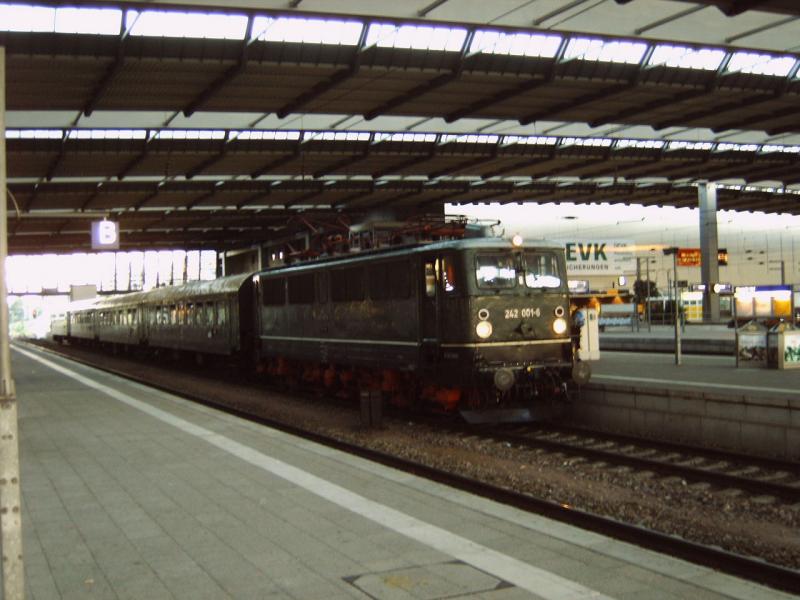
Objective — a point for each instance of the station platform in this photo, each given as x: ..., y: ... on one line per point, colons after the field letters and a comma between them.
x: 706, y: 400
x: 702, y: 373
x: 130, y: 492
x: 695, y: 339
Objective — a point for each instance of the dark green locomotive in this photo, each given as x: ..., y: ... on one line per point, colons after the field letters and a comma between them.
x: 472, y: 325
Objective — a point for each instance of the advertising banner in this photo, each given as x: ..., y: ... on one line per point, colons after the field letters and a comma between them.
x: 690, y: 257
x: 599, y: 257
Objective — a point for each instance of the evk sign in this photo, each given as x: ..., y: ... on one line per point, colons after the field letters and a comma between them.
x: 105, y: 235
x: 599, y: 257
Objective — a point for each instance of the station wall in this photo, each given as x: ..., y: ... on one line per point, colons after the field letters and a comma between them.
x: 757, y: 244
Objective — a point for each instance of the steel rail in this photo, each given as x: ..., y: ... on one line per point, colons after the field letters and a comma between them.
x: 787, y: 492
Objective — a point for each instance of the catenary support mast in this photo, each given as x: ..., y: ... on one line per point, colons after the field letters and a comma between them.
x: 709, y: 250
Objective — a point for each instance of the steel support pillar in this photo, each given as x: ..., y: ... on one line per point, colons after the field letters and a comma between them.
x: 709, y: 250
x: 10, y: 507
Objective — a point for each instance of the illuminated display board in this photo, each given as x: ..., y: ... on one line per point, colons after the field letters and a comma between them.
x: 105, y: 235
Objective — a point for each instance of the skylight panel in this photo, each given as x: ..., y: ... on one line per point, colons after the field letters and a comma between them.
x: 335, y: 136
x: 588, y: 142
x: 531, y: 140
x: 768, y: 148
x: 191, y: 134
x: 268, y: 135
x: 761, y: 64
x: 416, y: 37
x: 470, y: 139
x: 107, y: 134
x: 515, y: 44
x: 682, y: 57
x: 20, y: 17
x: 88, y: 20
x: 678, y: 145
x: 603, y: 51
x: 726, y: 146
x: 35, y: 134
x: 405, y: 137
x: 311, y: 31
x: 642, y: 144
x: 159, y: 23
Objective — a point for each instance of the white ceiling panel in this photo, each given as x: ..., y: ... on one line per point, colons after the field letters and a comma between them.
x: 20, y: 119
x: 703, y: 24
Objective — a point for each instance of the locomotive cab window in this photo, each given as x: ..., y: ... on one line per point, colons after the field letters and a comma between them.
x: 541, y: 271
x: 496, y: 271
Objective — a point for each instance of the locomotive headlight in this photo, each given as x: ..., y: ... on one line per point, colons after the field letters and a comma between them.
x: 483, y: 329
x: 559, y: 326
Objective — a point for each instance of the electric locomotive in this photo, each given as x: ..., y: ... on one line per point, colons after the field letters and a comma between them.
x: 479, y: 326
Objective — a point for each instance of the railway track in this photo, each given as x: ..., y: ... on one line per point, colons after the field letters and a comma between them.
x: 555, y: 440
x: 762, y: 478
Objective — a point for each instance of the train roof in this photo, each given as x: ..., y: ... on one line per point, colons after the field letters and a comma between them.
x: 197, y: 290
x: 395, y: 251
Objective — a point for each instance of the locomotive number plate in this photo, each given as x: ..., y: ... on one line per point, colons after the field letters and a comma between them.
x: 523, y: 313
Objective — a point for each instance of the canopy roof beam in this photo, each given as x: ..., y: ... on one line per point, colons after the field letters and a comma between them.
x: 227, y: 76
x: 463, y: 60
x: 596, y: 96
x: 518, y: 90
x: 334, y: 80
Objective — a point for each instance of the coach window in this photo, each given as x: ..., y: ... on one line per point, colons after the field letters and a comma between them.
x: 210, y: 317
x: 222, y: 314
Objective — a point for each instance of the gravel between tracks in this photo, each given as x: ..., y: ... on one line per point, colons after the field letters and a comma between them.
x: 764, y: 528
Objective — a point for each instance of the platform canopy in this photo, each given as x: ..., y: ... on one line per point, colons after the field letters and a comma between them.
x: 218, y: 125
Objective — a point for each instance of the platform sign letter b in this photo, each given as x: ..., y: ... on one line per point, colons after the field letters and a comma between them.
x: 105, y: 235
